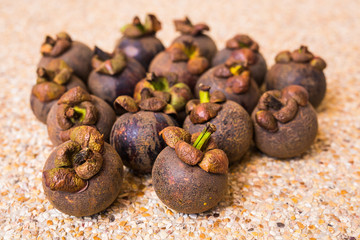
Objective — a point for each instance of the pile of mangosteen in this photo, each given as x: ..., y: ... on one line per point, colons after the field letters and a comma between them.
x: 185, y: 113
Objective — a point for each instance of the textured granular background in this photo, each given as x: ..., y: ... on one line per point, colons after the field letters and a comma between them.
x: 316, y: 196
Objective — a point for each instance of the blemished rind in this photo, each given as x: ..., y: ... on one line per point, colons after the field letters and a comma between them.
x: 207, y: 46
x: 101, y: 192
x: 185, y: 188
x: 258, y: 70
x: 234, y: 130
x: 292, y: 139
x: 105, y: 121
x: 312, y: 79
x: 109, y: 87
x: 78, y: 57
x: 135, y: 136
x: 247, y: 100
x: 42, y: 109
x: 162, y: 64
x: 142, y: 49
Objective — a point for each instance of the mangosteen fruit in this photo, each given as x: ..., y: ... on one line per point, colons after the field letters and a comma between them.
x: 114, y: 75
x: 139, y: 40
x: 83, y: 175
x: 75, y: 108
x: 302, y: 68
x: 234, y: 79
x: 76, y: 54
x: 233, y: 123
x: 135, y: 134
x: 182, y: 58
x: 190, y: 175
x: 257, y: 64
x: 168, y: 88
x: 51, y: 83
x: 285, y: 124
x: 195, y: 33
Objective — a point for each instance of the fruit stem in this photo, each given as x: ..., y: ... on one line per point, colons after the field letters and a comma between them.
x: 158, y: 83
x: 204, y: 93
x: 235, y: 70
x: 80, y: 114
x: 204, y: 136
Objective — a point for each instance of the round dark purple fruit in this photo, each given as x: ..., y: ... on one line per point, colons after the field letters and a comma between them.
x: 139, y: 40
x: 285, y: 124
x: 114, y: 75
x: 190, y: 175
x: 83, y: 176
x: 257, y: 64
x: 76, y: 54
x: 194, y: 33
x: 76, y: 108
x: 234, y: 79
x: 51, y: 83
x: 183, y: 59
x: 233, y: 123
x: 135, y: 134
x: 302, y: 68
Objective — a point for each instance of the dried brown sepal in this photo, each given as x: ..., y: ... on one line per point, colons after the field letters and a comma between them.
x: 177, y: 53
x: 172, y: 135
x: 186, y: 27
x: 298, y: 93
x: 190, y: 105
x: 60, y: 46
x: 204, y: 112
x: 65, y: 135
x: 87, y: 163
x: 217, y: 97
x: 74, y: 96
x: 243, y: 55
x: 318, y: 63
x: 266, y: 120
x: 197, y: 65
x: 215, y: 161
x: 91, y: 113
x: 152, y: 24
x: 302, y: 55
x: 287, y: 112
x: 48, y: 91
x: 54, y: 48
x: 165, y: 96
x: 146, y: 93
x: 65, y: 153
x: 64, y: 179
x: 187, y: 153
x: 64, y: 35
x: 283, y: 57
x: 63, y: 76
x: 63, y: 116
x: 152, y: 104
x: 269, y: 100
x: 222, y: 72
x: 114, y: 65
x: 210, y: 144
x: 124, y: 104
x: 88, y: 137
x: 242, y: 41
x: 238, y: 84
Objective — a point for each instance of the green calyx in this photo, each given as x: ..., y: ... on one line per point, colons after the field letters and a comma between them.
x: 235, y: 70
x: 79, y: 115
x: 158, y: 83
x: 204, y: 136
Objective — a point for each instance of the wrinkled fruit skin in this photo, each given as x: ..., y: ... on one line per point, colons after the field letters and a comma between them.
x: 234, y: 130
x: 185, y: 188
x: 162, y: 64
x: 101, y: 192
x: 78, y: 57
x: 42, y: 109
x: 258, y: 70
x: 292, y: 139
x: 207, y: 46
x: 313, y: 80
x: 142, y: 49
x: 106, y: 119
x: 248, y: 99
x: 136, y: 138
x: 109, y: 87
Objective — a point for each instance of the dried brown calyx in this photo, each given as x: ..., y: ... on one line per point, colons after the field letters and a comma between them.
x: 280, y: 106
x: 51, y: 80
x: 197, y: 149
x: 109, y: 64
x: 301, y: 55
x: 165, y: 87
x: 236, y: 71
x: 207, y: 107
x: 186, y: 27
x: 54, y: 47
x: 75, y: 108
x: 242, y: 41
x: 188, y: 51
x: 136, y: 29
x: 77, y: 161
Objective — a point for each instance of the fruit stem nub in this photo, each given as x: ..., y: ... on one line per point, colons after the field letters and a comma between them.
x: 204, y: 136
x: 204, y: 93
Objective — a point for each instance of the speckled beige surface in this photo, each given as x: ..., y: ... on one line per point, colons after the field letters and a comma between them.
x: 316, y: 196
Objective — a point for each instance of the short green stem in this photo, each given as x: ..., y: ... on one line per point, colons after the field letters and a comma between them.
x: 235, y: 69
x: 204, y: 93
x: 204, y: 136
x: 158, y: 83
x: 80, y: 114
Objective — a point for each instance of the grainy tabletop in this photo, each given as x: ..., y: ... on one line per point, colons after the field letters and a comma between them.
x: 315, y: 196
